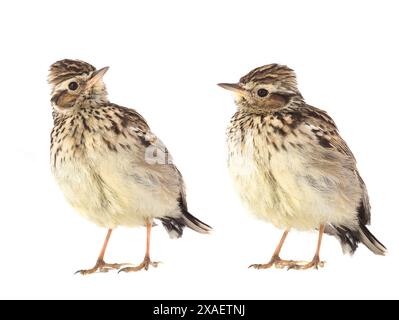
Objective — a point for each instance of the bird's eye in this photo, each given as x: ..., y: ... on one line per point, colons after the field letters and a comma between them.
x: 262, y: 93
x: 73, y: 85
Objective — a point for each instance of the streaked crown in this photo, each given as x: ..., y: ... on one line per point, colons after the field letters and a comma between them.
x: 270, y: 87
x: 280, y: 76
x: 75, y: 82
x: 66, y: 69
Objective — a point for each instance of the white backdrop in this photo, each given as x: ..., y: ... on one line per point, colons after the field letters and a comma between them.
x: 166, y: 58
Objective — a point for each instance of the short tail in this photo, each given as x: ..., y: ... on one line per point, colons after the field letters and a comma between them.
x: 350, y: 239
x: 195, y: 224
x: 175, y: 226
x: 371, y: 242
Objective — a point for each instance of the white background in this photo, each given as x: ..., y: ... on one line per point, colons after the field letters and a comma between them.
x: 166, y: 58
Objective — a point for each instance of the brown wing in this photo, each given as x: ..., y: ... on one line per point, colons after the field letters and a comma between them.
x: 140, y: 130
x: 326, y: 131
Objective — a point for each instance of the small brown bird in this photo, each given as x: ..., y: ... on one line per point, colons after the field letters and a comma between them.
x: 291, y: 167
x: 111, y: 168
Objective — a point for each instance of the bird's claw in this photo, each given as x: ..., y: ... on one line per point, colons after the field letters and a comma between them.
x: 101, y: 267
x: 316, y: 263
x: 279, y: 263
x: 144, y: 265
x: 275, y: 261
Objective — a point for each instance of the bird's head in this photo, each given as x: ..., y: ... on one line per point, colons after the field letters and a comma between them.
x: 266, y: 88
x: 73, y: 82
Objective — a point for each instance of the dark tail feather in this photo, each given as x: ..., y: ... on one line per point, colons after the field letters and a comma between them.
x: 350, y: 239
x: 371, y: 242
x: 196, y: 224
x: 175, y: 226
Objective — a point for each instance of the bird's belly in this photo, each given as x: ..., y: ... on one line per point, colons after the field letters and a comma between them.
x: 281, y: 188
x: 104, y: 195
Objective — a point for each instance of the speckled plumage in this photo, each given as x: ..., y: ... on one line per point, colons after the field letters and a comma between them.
x: 289, y: 164
x: 111, y: 168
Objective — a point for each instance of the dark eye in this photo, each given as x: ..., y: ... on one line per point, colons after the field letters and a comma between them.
x: 73, y: 86
x: 262, y: 93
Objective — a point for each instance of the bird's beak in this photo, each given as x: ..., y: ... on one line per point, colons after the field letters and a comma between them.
x: 235, y: 87
x: 96, y: 76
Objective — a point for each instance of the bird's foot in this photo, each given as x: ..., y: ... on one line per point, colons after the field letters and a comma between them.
x: 316, y: 263
x: 275, y: 261
x: 144, y: 265
x: 102, y: 266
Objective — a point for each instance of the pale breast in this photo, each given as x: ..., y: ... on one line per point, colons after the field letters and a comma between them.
x: 103, y: 175
x: 281, y: 176
x: 85, y: 191
x: 103, y: 192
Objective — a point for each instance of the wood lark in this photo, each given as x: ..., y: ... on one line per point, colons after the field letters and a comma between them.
x: 291, y: 167
x: 111, y: 168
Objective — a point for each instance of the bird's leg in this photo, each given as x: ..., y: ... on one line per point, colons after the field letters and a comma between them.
x: 101, y: 266
x: 316, y: 262
x: 147, y: 261
x: 276, y: 260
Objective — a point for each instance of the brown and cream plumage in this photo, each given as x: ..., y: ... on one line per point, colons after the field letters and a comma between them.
x: 111, y: 168
x: 291, y: 167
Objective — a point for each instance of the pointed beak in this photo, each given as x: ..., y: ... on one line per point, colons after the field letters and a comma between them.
x: 235, y: 87
x: 96, y: 76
